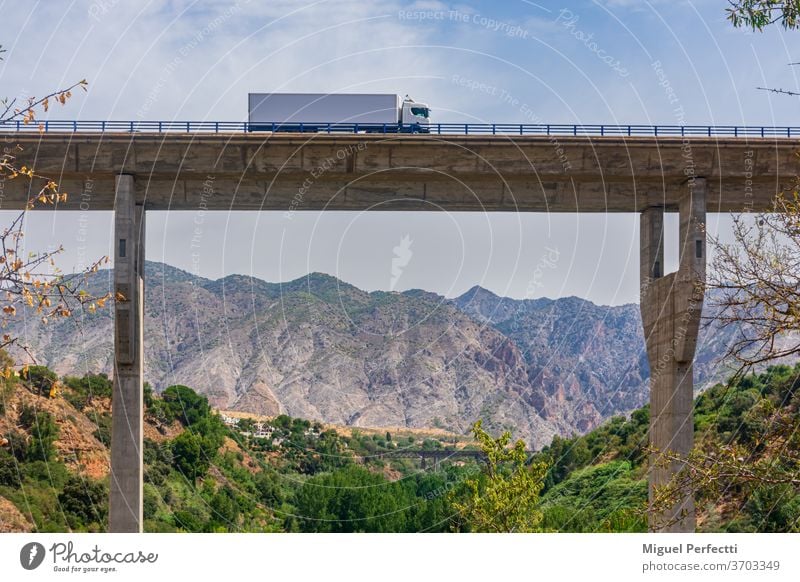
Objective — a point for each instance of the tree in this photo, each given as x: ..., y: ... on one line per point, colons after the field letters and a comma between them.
x: 505, y: 496
x: 757, y: 283
x: 225, y: 509
x: 84, y: 502
x: 757, y: 275
x: 756, y: 280
x: 44, y: 432
x: 185, y: 404
x: 758, y: 14
x: 749, y: 442
x: 195, y: 448
x: 82, y: 391
x: 9, y: 470
x: 270, y: 489
x: 31, y: 280
x: 188, y: 455
x: 352, y: 499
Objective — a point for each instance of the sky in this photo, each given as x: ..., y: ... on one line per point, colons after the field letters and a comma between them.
x: 606, y: 61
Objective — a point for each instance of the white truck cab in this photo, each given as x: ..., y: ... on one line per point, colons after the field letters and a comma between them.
x: 416, y: 113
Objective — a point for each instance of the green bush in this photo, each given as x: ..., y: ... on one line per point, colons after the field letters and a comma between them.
x: 17, y: 445
x: 151, y: 501
x: 39, y: 379
x: 52, y: 474
x: 81, y: 391
x: 774, y: 509
x: 597, y: 498
x: 9, y: 470
x: 103, y: 432
x: 84, y: 502
x: 185, y: 404
x: 187, y: 452
x: 44, y: 431
x: 188, y: 521
x: 352, y: 499
x: 270, y: 488
x: 195, y: 448
x: 224, y: 509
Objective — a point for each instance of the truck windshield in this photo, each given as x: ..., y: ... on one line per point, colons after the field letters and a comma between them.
x: 420, y: 111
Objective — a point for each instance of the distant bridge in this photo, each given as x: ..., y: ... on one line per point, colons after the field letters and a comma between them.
x: 435, y: 455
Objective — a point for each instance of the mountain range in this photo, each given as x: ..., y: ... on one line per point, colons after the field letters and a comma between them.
x: 320, y: 348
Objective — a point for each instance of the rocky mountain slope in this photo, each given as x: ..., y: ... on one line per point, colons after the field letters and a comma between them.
x: 587, y: 361
x: 322, y: 349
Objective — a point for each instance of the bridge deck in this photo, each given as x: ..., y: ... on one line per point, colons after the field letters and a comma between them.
x: 295, y: 172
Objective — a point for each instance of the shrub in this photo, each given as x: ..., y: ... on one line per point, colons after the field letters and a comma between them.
x: 84, y: 502
x: 39, y: 379
x: 44, y: 431
x: 81, y: 391
x: 103, y: 432
x: 185, y: 404
x: 194, y: 448
x: 9, y: 470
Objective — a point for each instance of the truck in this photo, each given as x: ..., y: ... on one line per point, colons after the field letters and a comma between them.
x: 340, y: 112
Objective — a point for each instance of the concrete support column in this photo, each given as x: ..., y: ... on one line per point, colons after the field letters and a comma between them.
x: 651, y: 247
x: 127, y: 407
x: 671, y: 307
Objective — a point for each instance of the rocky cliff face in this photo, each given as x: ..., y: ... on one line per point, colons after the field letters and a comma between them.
x: 586, y: 362
x: 320, y: 348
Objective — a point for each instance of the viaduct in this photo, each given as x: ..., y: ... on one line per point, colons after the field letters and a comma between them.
x: 435, y: 455
x: 131, y: 172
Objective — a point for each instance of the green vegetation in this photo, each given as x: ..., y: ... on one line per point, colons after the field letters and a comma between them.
x: 39, y: 379
x: 43, y: 430
x: 84, y: 503
x: 602, y: 497
x: 81, y: 391
x: 748, y: 454
x: 208, y: 477
x: 290, y: 474
x: 597, y: 482
x: 504, y: 497
x: 180, y: 403
x: 759, y: 14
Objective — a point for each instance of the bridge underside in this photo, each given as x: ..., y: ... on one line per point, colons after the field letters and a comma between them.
x: 131, y: 173
x: 376, y: 172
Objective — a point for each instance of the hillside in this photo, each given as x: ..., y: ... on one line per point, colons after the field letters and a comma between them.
x: 322, y: 349
x: 203, y: 473
x: 597, y: 482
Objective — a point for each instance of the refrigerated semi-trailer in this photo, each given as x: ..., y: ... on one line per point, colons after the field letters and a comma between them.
x: 349, y: 112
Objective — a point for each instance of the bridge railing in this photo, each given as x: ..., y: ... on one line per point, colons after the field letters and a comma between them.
x: 75, y: 126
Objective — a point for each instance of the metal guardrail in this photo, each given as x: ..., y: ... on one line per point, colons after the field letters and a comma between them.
x: 436, y: 128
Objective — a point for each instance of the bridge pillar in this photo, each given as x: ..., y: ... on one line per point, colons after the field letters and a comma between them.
x: 671, y: 307
x: 125, y: 504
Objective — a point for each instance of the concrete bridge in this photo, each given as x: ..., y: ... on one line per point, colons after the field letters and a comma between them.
x: 133, y: 172
x: 435, y: 455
